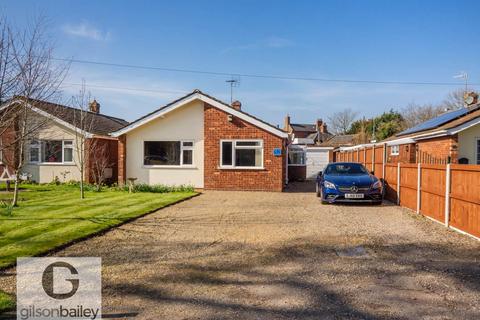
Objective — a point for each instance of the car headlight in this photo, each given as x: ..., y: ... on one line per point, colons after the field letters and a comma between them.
x: 377, y: 184
x: 329, y: 185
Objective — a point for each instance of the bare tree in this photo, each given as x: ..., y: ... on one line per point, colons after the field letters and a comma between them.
x: 341, y: 121
x: 29, y: 75
x: 84, y: 123
x: 454, y: 100
x: 99, y: 164
x: 414, y: 114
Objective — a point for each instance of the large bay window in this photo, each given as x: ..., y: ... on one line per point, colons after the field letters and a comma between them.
x: 51, y: 151
x: 241, y: 154
x: 168, y: 153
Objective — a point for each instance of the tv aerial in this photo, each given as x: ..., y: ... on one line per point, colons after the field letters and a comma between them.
x: 234, y: 82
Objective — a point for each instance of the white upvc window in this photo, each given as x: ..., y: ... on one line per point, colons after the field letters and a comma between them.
x: 34, y: 151
x: 296, y: 157
x: 168, y: 153
x: 51, y: 152
x: 241, y: 154
x: 395, y: 150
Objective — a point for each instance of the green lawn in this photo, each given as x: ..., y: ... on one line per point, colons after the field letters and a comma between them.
x: 51, y: 216
x: 6, y: 302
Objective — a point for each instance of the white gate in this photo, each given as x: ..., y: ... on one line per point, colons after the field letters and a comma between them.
x: 317, y: 159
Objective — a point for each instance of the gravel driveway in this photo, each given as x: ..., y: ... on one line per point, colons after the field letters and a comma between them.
x: 254, y: 255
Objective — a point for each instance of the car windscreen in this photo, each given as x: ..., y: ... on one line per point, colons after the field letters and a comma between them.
x: 345, y: 169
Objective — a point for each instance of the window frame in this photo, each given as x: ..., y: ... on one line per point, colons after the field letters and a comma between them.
x: 39, y: 146
x: 304, y: 152
x: 477, y: 153
x: 235, y: 147
x: 182, y: 148
x: 395, y: 153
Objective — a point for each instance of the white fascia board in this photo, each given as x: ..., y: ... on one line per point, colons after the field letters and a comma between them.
x: 51, y: 117
x: 211, y: 102
x: 320, y: 148
x: 303, y: 141
x: 400, y: 141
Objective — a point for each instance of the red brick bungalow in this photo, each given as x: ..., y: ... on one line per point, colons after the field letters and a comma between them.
x: 51, y: 152
x: 201, y: 141
x: 452, y: 137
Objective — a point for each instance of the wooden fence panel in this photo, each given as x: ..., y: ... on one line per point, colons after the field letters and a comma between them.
x: 465, y: 198
x: 408, y: 185
x: 378, y: 165
x: 433, y: 181
x: 391, y: 182
x: 361, y: 156
x: 368, y: 157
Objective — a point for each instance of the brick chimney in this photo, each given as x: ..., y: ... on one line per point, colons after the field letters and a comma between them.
x: 319, y: 125
x: 470, y: 98
x: 286, y: 124
x: 237, y: 105
x: 323, y: 128
x: 94, y: 106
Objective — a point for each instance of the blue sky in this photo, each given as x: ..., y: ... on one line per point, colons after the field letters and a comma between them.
x: 358, y: 40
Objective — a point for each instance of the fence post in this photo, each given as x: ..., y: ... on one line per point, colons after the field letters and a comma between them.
x: 398, y: 183
x: 358, y: 155
x: 447, y: 195
x: 373, y: 158
x: 384, y: 160
x: 419, y: 185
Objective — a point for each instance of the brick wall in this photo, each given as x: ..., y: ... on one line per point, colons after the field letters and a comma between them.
x: 96, y: 148
x: 217, y: 127
x: 438, y: 148
x: 407, y: 154
x: 122, y: 158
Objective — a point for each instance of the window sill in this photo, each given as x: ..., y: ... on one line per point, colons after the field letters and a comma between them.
x: 168, y: 167
x: 241, y: 168
x: 51, y: 163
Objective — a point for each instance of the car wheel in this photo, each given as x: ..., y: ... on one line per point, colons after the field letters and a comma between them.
x: 317, y: 190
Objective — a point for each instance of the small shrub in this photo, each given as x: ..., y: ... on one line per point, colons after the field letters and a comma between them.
x: 158, y: 188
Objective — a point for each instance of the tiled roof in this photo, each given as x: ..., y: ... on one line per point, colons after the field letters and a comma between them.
x: 99, y: 124
x: 303, y: 127
x: 340, y: 141
x: 474, y: 113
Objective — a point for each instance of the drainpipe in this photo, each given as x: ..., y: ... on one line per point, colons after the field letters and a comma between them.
x: 286, y: 163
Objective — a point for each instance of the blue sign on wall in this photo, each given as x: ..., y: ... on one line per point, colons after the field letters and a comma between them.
x: 277, y: 152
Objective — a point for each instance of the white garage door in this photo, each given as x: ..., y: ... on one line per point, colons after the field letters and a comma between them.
x: 317, y: 159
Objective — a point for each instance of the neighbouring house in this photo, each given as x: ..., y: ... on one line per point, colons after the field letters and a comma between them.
x: 306, y: 156
x: 52, y: 152
x: 201, y: 141
x: 452, y: 137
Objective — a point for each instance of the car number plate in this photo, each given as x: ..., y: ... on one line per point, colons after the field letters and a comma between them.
x: 354, y: 195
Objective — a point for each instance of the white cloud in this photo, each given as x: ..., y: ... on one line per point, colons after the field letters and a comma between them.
x: 278, y: 42
x: 86, y: 30
x: 272, y: 42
